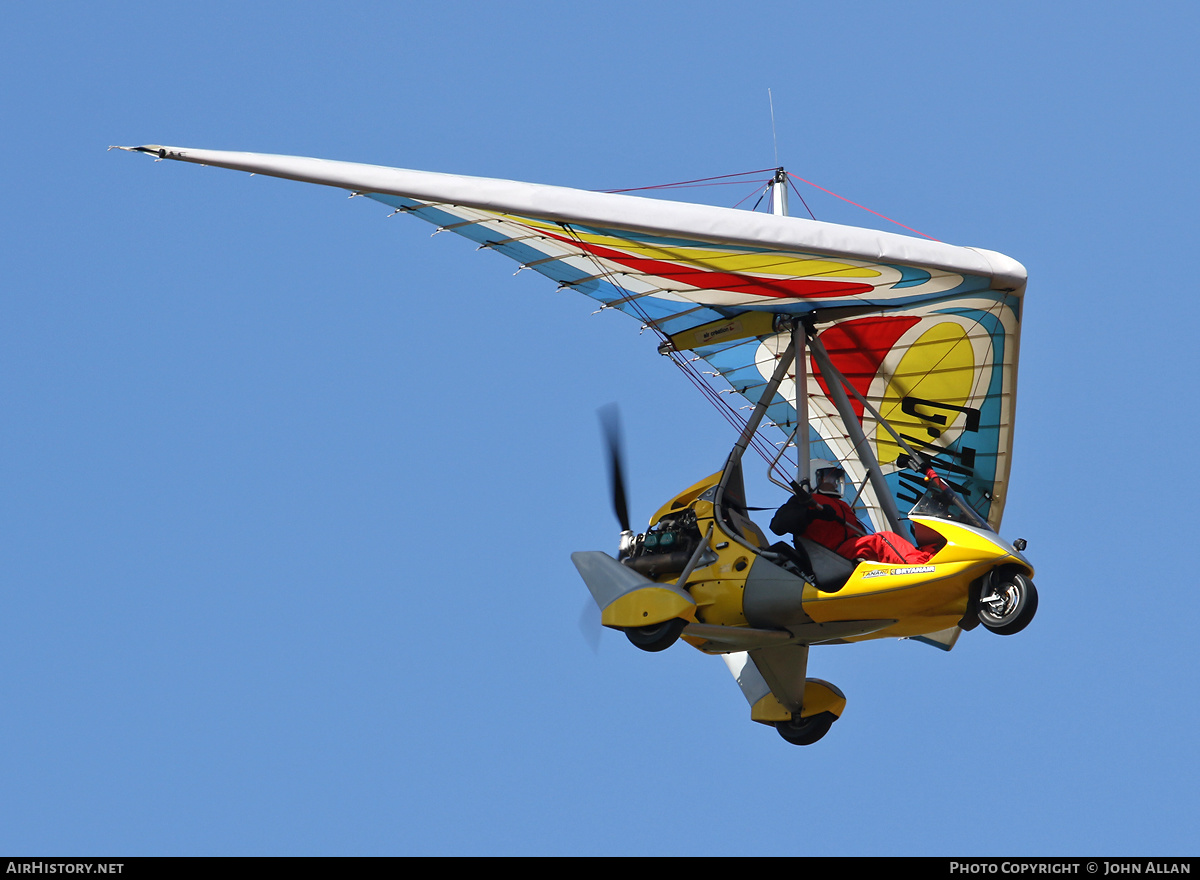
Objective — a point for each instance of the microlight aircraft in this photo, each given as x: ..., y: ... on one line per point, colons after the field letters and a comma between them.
x: 892, y: 355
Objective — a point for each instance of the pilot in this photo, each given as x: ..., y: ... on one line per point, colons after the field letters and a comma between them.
x: 825, y: 518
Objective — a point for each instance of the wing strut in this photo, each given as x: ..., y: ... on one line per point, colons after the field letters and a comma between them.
x: 786, y: 360
x: 837, y: 384
x: 920, y: 462
x: 799, y: 338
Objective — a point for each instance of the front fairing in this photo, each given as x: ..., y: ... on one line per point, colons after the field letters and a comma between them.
x: 968, y: 542
x: 948, y: 505
x: 966, y: 532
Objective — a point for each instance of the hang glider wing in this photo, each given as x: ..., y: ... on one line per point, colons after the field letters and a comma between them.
x: 926, y: 332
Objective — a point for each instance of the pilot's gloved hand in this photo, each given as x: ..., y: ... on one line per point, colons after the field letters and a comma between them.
x: 794, y: 517
x: 826, y: 513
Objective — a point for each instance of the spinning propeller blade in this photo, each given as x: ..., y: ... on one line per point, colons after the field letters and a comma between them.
x: 610, y: 421
x: 589, y: 624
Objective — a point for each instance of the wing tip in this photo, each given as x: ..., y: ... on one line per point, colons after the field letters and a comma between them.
x: 156, y: 150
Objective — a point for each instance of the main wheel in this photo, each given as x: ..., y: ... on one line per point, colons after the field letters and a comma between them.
x: 1008, y: 604
x: 658, y: 636
x: 806, y: 731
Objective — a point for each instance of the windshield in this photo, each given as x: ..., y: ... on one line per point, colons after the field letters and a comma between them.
x: 945, y: 504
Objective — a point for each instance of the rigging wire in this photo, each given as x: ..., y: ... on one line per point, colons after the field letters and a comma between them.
x: 732, y: 416
x: 687, y: 182
x: 766, y: 450
x: 760, y: 189
x: 727, y: 181
x: 713, y: 395
x: 857, y: 205
x: 792, y: 184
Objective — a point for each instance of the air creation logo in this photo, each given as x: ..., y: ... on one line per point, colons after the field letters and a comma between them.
x: 718, y: 332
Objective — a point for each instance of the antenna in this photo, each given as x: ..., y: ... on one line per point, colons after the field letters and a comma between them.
x: 778, y: 186
x: 774, y: 139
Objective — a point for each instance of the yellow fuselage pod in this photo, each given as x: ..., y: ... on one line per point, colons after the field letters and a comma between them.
x: 923, y: 598
x: 920, y: 599
x: 716, y: 588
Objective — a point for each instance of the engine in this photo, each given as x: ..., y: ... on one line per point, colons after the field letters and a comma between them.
x: 667, y: 546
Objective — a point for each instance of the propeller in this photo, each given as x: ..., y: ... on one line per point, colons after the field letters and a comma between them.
x: 589, y: 624
x: 610, y: 422
x: 610, y: 425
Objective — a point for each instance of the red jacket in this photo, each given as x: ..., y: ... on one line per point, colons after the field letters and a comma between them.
x: 830, y: 525
x: 833, y: 533
x: 842, y: 532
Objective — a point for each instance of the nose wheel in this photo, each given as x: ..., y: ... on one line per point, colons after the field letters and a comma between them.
x: 658, y: 637
x: 1008, y: 603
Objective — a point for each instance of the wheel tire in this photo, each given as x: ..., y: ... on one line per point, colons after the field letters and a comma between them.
x: 806, y: 731
x: 657, y: 637
x: 1019, y: 602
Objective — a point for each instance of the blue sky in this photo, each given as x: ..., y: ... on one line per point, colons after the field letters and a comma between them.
x: 288, y: 490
